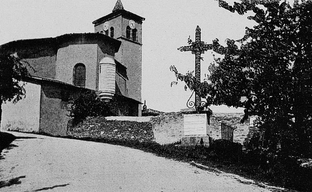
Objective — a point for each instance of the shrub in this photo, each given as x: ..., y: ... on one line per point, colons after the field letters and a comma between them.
x: 225, y: 149
x: 88, y: 104
x: 276, y: 165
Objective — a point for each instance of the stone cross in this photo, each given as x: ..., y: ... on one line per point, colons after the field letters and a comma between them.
x: 197, y: 47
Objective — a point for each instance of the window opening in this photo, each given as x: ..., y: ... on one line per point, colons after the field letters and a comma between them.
x: 128, y: 32
x: 112, y: 32
x: 79, y: 75
x: 134, y: 34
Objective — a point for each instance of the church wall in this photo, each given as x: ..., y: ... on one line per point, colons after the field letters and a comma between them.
x: 126, y: 108
x: 69, y: 56
x: 121, y: 84
x: 100, y: 56
x: 116, y: 23
x: 132, y: 59
x: 43, y: 66
x: 138, y: 26
x: 24, y: 115
x: 104, y: 50
x: 40, y: 54
x: 54, y: 112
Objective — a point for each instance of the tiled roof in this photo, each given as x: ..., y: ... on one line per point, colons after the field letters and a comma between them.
x: 55, y: 42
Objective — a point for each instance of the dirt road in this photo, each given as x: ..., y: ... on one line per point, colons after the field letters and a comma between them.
x: 40, y: 163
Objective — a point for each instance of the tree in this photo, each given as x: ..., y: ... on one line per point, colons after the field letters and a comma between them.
x: 268, y: 72
x: 12, y: 71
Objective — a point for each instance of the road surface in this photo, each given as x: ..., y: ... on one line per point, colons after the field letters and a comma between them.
x: 40, y: 163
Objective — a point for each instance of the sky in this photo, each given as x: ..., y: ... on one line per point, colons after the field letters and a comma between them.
x: 167, y: 26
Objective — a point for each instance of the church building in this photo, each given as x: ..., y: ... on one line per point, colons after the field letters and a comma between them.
x: 108, y: 61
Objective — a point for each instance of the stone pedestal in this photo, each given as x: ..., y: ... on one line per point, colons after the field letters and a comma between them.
x: 195, y: 130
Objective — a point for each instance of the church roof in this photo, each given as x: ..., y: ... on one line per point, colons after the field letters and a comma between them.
x: 118, y: 6
x: 117, y: 11
x: 59, y: 41
x: 40, y: 80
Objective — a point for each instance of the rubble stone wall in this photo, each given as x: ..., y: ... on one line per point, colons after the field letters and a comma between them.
x: 99, y: 127
x: 163, y: 129
x: 168, y: 128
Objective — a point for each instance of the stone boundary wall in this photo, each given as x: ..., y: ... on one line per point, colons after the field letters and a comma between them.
x: 129, y: 118
x: 99, y: 127
x: 232, y: 119
x: 166, y: 128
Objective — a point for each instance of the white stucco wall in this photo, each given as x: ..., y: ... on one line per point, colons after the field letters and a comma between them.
x: 25, y: 114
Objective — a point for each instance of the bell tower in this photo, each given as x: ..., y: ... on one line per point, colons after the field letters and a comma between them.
x: 120, y: 24
x: 126, y: 27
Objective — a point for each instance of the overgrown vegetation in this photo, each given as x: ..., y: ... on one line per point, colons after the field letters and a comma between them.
x: 99, y: 127
x: 88, y: 104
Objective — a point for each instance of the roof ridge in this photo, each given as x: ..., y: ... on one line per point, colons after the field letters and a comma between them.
x: 118, y: 6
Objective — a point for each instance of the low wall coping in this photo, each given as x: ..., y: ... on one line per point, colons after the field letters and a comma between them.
x: 129, y: 118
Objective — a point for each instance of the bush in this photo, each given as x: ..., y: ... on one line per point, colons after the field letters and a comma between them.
x: 276, y: 165
x: 88, y: 104
x: 226, y: 150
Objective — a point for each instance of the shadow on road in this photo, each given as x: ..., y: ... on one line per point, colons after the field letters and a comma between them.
x: 14, y: 181
x: 48, y: 188
x: 6, y: 139
x: 27, y: 138
x: 11, y: 146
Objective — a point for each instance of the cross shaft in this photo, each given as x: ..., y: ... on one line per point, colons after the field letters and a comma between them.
x: 197, y: 48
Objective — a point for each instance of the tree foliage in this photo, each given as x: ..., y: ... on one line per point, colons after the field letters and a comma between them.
x: 12, y: 70
x: 269, y: 73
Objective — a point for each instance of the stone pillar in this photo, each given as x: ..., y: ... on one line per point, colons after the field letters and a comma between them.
x: 195, y: 130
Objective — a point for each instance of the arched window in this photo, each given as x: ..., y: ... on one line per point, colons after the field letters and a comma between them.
x: 134, y: 34
x: 128, y: 32
x: 79, y: 75
x: 112, y: 32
